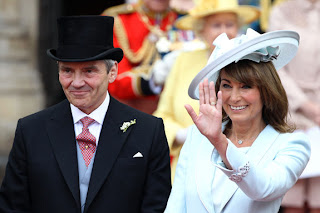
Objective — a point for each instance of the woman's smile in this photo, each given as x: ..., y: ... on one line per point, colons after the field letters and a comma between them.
x: 238, y: 108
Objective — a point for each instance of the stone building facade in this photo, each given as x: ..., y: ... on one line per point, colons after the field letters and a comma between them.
x: 20, y: 86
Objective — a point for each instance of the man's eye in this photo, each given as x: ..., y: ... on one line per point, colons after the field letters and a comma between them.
x: 66, y: 71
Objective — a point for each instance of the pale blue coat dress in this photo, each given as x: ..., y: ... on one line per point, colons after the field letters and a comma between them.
x: 263, y: 173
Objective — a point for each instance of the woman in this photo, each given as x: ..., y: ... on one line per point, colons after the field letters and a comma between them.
x: 241, y: 155
x: 208, y: 19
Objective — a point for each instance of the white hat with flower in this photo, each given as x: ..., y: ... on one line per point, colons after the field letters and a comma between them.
x: 276, y: 46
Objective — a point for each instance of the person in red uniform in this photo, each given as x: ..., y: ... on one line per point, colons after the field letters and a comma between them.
x: 144, y: 31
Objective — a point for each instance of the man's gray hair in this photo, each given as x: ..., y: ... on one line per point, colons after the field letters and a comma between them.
x: 109, y: 64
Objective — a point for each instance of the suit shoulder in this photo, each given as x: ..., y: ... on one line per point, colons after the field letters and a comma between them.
x: 45, y: 113
x: 296, y: 136
x: 119, y: 9
x: 132, y: 111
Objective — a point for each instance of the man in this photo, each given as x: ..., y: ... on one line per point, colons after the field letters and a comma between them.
x: 89, y: 153
x: 145, y: 32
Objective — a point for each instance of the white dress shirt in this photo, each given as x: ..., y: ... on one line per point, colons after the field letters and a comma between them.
x: 95, y: 128
x: 98, y: 115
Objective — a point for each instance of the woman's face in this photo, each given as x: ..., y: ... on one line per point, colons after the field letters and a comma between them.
x: 219, y: 23
x: 241, y: 102
x: 157, y: 6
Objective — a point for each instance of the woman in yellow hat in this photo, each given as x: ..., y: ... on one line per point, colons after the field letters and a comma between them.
x: 208, y: 19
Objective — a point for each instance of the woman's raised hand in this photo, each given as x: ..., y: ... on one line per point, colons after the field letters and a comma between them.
x: 210, y: 113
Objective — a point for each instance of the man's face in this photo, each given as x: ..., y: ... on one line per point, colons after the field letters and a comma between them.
x: 157, y: 6
x: 85, y: 84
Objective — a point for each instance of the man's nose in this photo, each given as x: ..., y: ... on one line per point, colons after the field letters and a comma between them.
x: 78, y: 80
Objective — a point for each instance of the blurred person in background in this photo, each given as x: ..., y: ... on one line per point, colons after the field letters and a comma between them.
x: 144, y: 30
x: 182, y: 6
x: 208, y: 19
x: 265, y: 6
x: 301, y: 80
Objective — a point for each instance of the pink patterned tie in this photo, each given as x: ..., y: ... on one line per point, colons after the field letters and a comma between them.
x: 86, y: 140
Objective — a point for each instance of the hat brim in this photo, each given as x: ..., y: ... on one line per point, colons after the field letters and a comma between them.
x: 114, y: 54
x: 288, y: 42
x: 247, y: 14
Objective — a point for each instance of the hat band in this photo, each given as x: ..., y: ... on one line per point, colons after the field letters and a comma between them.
x: 80, y: 52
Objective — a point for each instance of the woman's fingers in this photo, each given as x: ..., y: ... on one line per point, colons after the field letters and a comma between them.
x: 206, y: 91
x: 201, y: 94
x: 212, y: 94
x: 191, y: 112
x: 219, y: 102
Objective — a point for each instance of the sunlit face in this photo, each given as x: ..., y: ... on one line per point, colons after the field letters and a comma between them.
x: 241, y: 102
x: 85, y: 84
x: 219, y: 23
x: 157, y: 6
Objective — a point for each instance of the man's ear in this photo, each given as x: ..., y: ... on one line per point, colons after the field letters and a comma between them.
x: 113, y: 72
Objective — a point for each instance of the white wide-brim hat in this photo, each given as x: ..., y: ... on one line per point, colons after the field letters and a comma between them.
x: 276, y: 46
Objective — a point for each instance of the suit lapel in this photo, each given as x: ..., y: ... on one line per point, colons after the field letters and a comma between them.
x: 110, y: 143
x: 263, y: 144
x: 204, y: 178
x: 204, y: 172
x: 60, y: 130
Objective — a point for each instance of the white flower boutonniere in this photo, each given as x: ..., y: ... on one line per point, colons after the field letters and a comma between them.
x: 126, y: 125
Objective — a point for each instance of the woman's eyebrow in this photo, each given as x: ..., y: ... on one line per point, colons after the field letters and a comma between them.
x: 223, y: 79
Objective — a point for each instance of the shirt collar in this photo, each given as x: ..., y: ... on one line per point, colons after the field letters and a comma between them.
x: 98, y: 114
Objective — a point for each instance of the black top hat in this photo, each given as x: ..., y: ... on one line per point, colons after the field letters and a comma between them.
x: 85, y: 38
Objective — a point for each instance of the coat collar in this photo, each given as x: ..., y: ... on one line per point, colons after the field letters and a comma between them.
x: 61, y: 134
x: 205, y: 167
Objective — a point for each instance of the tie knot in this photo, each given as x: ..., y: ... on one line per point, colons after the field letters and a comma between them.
x: 86, y: 121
